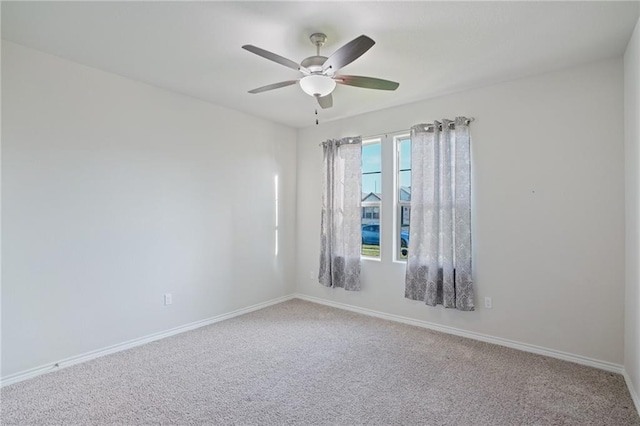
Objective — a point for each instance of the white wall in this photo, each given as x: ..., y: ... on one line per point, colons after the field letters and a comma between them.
x: 116, y: 192
x: 548, y: 211
x: 632, y: 231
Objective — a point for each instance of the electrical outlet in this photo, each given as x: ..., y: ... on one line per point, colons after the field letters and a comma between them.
x: 168, y: 299
x: 488, y: 303
x: 312, y: 276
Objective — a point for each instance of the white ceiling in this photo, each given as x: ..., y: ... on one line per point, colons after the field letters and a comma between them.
x: 431, y: 48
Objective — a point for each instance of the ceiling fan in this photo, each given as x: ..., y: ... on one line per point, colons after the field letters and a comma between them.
x: 319, y: 76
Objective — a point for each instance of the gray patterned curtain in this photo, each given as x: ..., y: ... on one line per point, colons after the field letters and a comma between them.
x: 439, y: 263
x: 341, y: 236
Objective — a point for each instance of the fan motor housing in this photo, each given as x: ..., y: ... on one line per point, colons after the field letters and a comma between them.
x: 314, y: 63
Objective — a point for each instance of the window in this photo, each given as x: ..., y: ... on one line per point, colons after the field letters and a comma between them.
x: 371, y: 196
x: 403, y: 195
x: 431, y: 180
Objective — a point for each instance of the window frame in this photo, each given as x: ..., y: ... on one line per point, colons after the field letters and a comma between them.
x: 378, y: 204
x: 398, y: 203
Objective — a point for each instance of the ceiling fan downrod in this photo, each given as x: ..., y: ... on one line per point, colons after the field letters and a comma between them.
x: 318, y: 40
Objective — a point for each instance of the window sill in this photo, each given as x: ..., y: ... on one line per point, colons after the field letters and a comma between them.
x: 370, y: 258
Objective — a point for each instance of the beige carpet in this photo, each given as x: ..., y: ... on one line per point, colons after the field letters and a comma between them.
x: 299, y: 363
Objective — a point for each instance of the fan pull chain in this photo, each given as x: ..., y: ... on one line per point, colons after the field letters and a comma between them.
x: 316, y: 117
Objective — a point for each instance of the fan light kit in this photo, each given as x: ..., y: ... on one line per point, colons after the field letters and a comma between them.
x: 317, y: 85
x: 319, y: 77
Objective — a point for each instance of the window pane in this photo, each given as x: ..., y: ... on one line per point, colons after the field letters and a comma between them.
x: 404, y: 193
x: 371, y: 196
x: 372, y: 187
x: 404, y: 170
x: 372, y: 171
x: 405, y: 154
x: 371, y: 160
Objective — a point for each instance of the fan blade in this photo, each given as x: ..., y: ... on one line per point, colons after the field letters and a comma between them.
x: 366, y: 82
x: 273, y: 86
x: 271, y: 56
x: 348, y: 53
x: 325, y: 101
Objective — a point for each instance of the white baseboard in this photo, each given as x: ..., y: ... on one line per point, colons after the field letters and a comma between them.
x: 67, y: 362
x: 578, y: 359
x: 632, y: 390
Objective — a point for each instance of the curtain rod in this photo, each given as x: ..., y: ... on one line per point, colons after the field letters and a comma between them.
x: 469, y: 120
x: 452, y: 123
x: 345, y: 141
